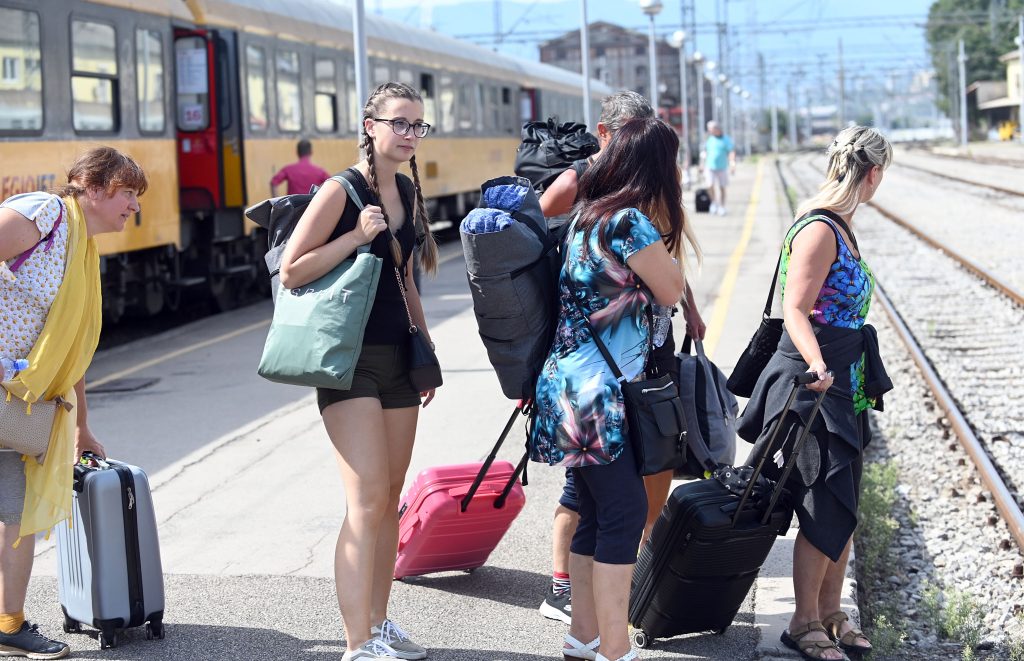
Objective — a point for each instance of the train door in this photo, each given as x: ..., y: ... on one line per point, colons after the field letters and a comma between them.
x: 209, y: 130
x: 210, y: 162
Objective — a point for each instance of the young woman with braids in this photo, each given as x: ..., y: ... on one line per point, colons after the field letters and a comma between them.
x: 372, y: 425
x: 826, y: 291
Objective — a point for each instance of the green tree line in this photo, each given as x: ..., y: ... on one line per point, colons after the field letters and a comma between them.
x: 988, y: 28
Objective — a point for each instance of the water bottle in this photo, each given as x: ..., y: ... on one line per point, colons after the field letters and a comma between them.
x: 12, y: 367
x: 662, y: 322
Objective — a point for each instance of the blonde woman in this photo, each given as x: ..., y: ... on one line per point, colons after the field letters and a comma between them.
x: 826, y: 290
x: 51, y: 302
x: 373, y: 424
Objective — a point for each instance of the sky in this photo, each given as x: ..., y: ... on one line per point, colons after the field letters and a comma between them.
x: 880, y: 37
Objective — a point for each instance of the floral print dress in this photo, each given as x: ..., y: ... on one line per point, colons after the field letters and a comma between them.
x: 579, y: 407
x: 844, y: 299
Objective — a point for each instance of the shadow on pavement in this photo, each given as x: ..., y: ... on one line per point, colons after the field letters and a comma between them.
x: 514, y: 587
x: 198, y: 641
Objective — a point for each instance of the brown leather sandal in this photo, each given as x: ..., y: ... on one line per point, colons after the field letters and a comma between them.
x: 814, y: 650
x: 848, y: 641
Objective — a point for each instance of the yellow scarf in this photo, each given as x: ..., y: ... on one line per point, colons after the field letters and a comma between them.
x: 57, y: 362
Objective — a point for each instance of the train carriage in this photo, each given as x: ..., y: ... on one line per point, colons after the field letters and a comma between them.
x: 211, y: 97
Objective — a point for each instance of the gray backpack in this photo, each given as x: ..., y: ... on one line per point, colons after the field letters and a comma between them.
x: 710, y: 413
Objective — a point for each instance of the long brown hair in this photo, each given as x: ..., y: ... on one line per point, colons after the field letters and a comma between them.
x: 637, y: 169
x: 373, y: 108
x: 105, y: 168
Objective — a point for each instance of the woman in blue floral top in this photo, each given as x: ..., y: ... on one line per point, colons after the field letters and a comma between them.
x: 622, y: 253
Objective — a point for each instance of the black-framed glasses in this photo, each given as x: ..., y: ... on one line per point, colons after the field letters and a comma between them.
x: 402, y: 126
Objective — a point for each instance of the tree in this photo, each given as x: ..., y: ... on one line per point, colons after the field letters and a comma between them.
x: 987, y: 28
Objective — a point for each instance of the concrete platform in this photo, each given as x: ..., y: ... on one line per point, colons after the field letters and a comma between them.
x: 249, y: 501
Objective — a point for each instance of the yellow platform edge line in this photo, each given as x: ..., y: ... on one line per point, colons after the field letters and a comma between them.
x: 725, y: 292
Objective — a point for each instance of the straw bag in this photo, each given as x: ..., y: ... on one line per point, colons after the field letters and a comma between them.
x: 24, y: 432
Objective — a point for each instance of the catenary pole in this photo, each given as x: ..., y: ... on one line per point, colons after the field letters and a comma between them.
x: 842, y: 88
x: 1020, y: 70
x: 962, y: 62
x: 585, y: 59
x: 359, y: 47
x: 652, y: 47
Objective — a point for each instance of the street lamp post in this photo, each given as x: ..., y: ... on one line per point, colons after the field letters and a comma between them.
x: 585, y: 62
x: 1020, y: 58
x: 359, y: 49
x: 723, y: 95
x: 962, y: 61
x: 698, y: 60
x: 652, y: 8
x: 679, y: 41
x: 747, y: 124
x: 710, y: 66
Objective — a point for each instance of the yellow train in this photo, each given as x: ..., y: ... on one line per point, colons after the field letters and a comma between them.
x: 211, y: 97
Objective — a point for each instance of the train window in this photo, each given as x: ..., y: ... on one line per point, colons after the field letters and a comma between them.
x: 466, y: 109
x: 495, y: 111
x: 447, y: 105
x: 289, y: 99
x: 429, y: 102
x: 149, y: 80
x: 325, y: 99
x: 381, y: 74
x: 21, y: 89
x: 256, y: 87
x: 193, y: 84
x: 405, y: 76
x: 354, y: 111
x: 508, y: 122
x: 94, y: 85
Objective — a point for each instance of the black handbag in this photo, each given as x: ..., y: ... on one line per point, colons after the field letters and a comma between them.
x: 654, y: 417
x: 765, y: 341
x: 424, y: 370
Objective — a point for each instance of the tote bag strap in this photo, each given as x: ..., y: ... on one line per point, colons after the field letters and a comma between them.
x: 354, y: 196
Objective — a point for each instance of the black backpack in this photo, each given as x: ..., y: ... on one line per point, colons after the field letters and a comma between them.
x: 549, y: 149
x: 280, y: 215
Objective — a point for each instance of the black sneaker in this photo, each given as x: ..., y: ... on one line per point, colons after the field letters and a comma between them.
x: 30, y: 643
x: 557, y: 606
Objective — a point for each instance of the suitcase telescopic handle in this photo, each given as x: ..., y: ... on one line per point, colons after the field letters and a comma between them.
x: 522, y: 408
x: 798, y: 381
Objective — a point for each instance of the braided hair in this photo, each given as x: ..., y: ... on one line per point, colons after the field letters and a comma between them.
x: 373, y: 108
x: 851, y: 156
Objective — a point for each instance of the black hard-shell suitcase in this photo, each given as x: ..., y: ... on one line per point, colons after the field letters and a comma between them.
x: 109, y: 571
x: 707, y: 547
x: 702, y: 200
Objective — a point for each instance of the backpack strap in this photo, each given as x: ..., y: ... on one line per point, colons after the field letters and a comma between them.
x: 354, y: 196
x: 48, y: 240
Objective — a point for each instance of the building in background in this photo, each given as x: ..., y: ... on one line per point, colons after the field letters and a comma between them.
x: 998, y: 101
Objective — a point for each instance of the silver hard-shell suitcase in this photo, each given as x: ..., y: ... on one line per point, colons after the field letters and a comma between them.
x: 109, y: 572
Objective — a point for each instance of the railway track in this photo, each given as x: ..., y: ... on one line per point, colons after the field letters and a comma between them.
x: 964, y: 355
x: 970, y: 182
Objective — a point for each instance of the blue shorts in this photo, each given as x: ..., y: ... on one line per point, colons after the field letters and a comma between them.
x: 569, y: 500
x: 613, y: 510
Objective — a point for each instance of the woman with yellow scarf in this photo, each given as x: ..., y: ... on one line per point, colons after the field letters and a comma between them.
x: 50, y: 312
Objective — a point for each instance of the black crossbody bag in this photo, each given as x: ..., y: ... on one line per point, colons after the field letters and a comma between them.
x: 765, y: 341
x: 654, y: 416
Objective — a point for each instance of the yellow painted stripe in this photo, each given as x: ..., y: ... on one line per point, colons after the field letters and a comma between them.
x: 179, y: 352
x: 717, y: 324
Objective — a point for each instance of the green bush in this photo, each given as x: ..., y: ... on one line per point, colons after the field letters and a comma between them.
x: 877, y: 525
x: 1015, y: 643
x: 887, y: 636
x: 957, y: 617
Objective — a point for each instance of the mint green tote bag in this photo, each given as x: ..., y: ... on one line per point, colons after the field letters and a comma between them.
x: 316, y: 334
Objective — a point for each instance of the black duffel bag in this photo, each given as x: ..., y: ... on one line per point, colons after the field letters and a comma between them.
x: 548, y: 149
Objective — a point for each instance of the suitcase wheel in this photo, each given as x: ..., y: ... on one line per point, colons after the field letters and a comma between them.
x: 721, y: 632
x: 71, y: 626
x: 640, y: 639
x: 154, y: 630
x: 108, y: 640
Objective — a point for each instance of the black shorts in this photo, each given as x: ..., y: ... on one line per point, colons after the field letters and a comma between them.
x: 382, y: 372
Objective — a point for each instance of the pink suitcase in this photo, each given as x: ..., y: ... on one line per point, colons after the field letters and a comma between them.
x: 452, y: 517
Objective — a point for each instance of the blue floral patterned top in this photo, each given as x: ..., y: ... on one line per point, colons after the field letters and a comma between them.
x: 580, y: 415
x: 844, y: 299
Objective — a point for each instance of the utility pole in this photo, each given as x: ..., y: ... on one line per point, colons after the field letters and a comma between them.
x: 791, y: 115
x: 359, y: 50
x: 962, y: 61
x: 842, y: 88
x: 585, y: 58
x: 1020, y: 69
x: 775, y: 124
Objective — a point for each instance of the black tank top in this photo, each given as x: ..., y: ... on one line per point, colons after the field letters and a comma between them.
x: 388, y: 323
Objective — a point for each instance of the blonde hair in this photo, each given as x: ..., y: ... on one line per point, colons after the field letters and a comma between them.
x: 850, y: 157
x: 373, y: 108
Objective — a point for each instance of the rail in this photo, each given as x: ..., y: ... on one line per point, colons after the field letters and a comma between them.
x: 998, y: 189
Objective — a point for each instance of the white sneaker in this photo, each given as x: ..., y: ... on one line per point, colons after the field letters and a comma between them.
x: 714, y: 209
x: 396, y: 640
x: 371, y: 649
x: 721, y: 211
